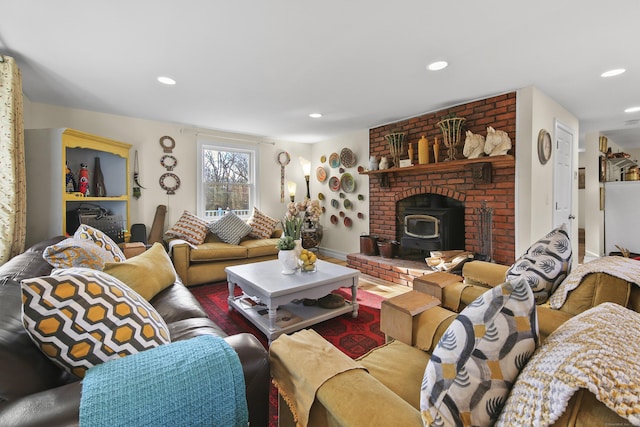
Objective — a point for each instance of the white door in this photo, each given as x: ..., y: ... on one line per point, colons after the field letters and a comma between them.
x: 562, y: 176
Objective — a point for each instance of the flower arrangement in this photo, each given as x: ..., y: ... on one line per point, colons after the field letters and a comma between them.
x: 298, y: 213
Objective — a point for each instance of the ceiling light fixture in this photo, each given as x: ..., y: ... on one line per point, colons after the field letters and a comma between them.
x: 632, y: 110
x: 614, y: 72
x: 166, y: 80
x: 438, y: 65
x: 315, y: 115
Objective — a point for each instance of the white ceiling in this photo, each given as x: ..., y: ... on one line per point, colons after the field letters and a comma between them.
x: 260, y: 67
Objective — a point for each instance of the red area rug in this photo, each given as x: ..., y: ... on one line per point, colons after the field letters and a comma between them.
x: 354, y: 337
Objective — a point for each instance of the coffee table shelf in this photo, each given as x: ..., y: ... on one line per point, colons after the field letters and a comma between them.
x: 308, y: 315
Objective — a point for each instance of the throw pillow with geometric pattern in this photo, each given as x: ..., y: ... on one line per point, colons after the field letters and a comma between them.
x: 545, y: 264
x: 262, y: 225
x: 189, y: 228
x: 470, y: 372
x: 230, y: 228
x: 88, y: 232
x: 85, y: 317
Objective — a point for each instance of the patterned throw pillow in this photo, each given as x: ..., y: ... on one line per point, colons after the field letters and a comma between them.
x: 190, y: 228
x: 77, y: 253
x: 477, y: 360
x: 88, y: 232
x: 545, y: 264
x: 147, y: 273
x: 262, y: 225
x: 82, y: 317
x: 230, y: 228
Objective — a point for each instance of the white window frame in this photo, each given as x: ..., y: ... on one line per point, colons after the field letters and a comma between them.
x: 212, y: 144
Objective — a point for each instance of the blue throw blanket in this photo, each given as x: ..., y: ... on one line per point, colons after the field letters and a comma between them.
x: 197, y: 382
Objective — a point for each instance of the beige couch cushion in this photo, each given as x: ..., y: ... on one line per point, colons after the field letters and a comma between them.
x: 216, y: 251
x: 260, y: 247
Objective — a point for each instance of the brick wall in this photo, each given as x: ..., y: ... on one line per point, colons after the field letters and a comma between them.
x: 499, y: 112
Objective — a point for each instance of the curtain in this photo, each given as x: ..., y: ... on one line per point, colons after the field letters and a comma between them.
x: 12, y: 168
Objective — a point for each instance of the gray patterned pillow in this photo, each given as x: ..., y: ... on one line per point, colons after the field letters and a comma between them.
x: 471, y: 371
x: 545, y: 264
x: 230, y: 228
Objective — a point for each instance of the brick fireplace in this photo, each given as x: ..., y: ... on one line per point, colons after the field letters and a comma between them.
x: 458, y: 180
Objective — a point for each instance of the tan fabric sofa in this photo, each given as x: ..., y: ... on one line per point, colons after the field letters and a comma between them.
x: 387, y: 393
x: 205, y: 263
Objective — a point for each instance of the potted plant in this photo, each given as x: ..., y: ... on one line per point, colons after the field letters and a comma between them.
x: 287, y: 256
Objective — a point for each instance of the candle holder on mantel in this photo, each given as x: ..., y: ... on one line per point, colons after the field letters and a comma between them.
x: 451, y: 129
x: 396, y: 142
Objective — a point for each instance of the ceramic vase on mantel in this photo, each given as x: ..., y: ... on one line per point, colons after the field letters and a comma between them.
x: 288, y: 260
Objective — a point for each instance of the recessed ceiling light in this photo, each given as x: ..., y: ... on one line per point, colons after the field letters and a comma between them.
x: 315, y: 115
x: 438, y: 65
x: 632, y: 110
x: 611, y: 73
x: 166, y: 80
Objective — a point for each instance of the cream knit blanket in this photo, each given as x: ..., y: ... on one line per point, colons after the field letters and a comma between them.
x: 598, y: 350
x: 623, y: 268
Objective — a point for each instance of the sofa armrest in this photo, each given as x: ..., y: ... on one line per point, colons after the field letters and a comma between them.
x: 180, y: 255
x: 484, y: 273
x: 58, y: 406
x: 257, y: 376
x: 344, y: 396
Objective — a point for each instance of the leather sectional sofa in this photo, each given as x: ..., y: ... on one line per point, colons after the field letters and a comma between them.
x: 34, y: 391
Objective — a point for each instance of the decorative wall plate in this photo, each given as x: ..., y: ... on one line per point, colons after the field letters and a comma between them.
x: 347, y: 221
x: 320, y: 196
x: 334, y: 160
x: 168, y: 162
x: 334, y: 183
x: 347, y: 182
x: 348, y: 158
x: 321, y: 174
x: 323, y: 158
x: 334, y: 219
x: 335, y: 203
x: 347, y: 204
x: 169, y: 182
x: 167, y: 143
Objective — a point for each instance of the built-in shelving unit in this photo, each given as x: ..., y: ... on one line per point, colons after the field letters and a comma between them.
x: 47, y: 153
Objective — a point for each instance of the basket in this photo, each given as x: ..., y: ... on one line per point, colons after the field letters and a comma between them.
x: 111, y: 225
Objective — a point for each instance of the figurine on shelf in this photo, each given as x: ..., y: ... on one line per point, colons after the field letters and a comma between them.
x: 497, y: 142
x: 410, y: 152
x: 373, y: 163
x: 473, y: 145
x: 83, y: 179
x: 384, y: 163
x: 70, y: 181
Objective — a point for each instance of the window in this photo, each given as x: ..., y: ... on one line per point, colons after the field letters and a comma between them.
x: 226, y: 180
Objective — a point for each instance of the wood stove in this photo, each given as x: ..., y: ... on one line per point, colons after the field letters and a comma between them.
x: 433, y: 229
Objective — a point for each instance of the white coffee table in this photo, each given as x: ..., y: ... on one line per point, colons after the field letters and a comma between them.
x: 265, y: 283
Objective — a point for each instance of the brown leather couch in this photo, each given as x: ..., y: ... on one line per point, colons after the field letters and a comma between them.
x: 35, y: 392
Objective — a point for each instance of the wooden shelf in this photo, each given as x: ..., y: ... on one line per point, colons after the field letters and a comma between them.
x: 453, y: 165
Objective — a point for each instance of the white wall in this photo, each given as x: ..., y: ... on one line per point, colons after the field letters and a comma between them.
x: 339, y: 240
x: 144, y: 135
x: 534, y: 186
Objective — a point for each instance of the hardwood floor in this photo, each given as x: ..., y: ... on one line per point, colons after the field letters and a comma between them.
x: 372, y: 284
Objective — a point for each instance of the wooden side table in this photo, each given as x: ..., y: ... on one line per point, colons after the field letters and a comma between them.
x: 397, y: 314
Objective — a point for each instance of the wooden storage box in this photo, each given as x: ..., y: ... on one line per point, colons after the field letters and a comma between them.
x: 397, y: 313
x: 433, y: 283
